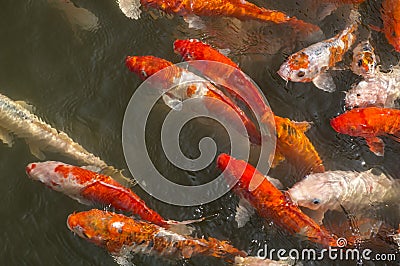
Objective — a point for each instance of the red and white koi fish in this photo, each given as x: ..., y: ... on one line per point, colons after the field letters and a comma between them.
x: 370, y: 123
x: 87, y: 187
x: 270, y: 203
x: 292, y: 143
x: 310, y: 64
x: 145, y: 66
x: 239, y: 9
x: 193, y: 49
x: 122, y: 235
x: 334, y: 190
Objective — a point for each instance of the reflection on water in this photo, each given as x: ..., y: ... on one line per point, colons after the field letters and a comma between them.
x: 68, y: 61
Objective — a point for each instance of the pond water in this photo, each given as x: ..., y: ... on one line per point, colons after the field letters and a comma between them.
x: 74, y: 75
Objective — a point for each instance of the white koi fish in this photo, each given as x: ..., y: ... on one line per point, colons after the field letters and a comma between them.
x: 17, y: 120
x: 378, y: 89
x: 311, y: 63
x: 332, y: 190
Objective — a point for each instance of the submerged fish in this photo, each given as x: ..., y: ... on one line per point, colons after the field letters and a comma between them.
x: 239, y: 9
x: 378, y: 89
x: 16, y: 119
x: 364, y: 60
x: 87, y: 187
x: 121, y: 236
x: 294, y: 146
x: 334, y: 190
x: 370, y: 123
x: 311, y: 63
x: 292, y: 143
x: 76, y: 16
x: 146, y: 66
x: 270, y: 203
x: 391, y: 22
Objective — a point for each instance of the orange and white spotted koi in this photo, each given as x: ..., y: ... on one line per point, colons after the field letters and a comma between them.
x: 122, y: 235
x: 311, y: 63
x: 364, y: 60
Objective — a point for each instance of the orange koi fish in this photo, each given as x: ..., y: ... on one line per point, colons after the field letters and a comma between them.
x: 369, y: 123
x: 87, y: 186
x: 310, y: 64
x: 145, y: 66
x: 390, y: 13
x: 193, y: 49
x: 239, y: 9
x: 296, y: 147
x: 292, y: 143
x: 121, y: 235
x: 270, y: 203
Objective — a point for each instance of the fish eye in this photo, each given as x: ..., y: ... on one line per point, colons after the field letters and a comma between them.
x: 393, y: 34
x: 301, y: 74
x: 359, y: 63
x: 316, y: 201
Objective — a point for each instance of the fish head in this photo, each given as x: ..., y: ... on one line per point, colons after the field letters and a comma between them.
x: 146, y: 66
x: 366, y: 93
x: 90, y: 225
x: 352, y: 123
x: 297, y: 68
x: 59, y: 176
x: 364, y: 60
x: 315, y: 192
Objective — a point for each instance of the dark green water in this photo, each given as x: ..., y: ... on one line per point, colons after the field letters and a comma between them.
x: 77, y: 81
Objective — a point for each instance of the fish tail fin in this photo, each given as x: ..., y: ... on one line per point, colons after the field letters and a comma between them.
x: 183, y: 227
x: 306, y: 30
x: 130, y: 8
x: 257, y: 261
x: 117, y: 175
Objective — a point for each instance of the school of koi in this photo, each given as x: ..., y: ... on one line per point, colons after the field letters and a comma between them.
x: 298, y: 211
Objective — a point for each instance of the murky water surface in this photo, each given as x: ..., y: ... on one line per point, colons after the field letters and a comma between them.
x: 71, y: 69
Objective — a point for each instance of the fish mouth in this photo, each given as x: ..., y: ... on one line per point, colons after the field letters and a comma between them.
x: 334, y: 124
x: 29, y: 168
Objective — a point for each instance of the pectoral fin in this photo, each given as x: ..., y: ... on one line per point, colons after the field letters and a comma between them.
x: 28, y: 107
x: 324, y: 81
x: 243, y: 212
x: 6, y: 137
x: 35, y: 150
x: 376, y: 145
x: 118, y: 176
x: 303, y: 125
x: 395, y: 136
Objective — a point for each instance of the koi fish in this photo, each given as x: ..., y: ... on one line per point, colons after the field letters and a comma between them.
x: 270, y: 203
x: 87, y: 187
x: 311, y: 63
x: 121, y: 236
x: 369, y: 123
x: 334, y: 190
x: 145, y: 66
x: 292, y: 143
x: 76, y: 16
x: 380, y: 89
x: 239, y: 9
x: 193, y: 49
x: 17, y: 119
x: 364, y: 60
x: 390, y: 13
